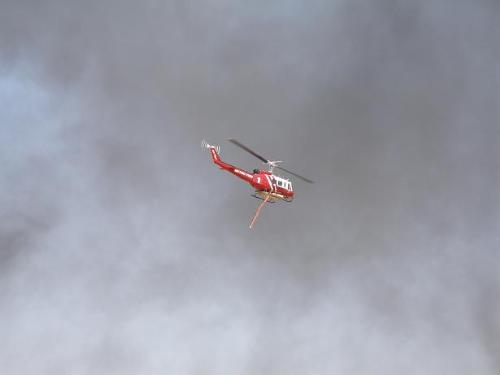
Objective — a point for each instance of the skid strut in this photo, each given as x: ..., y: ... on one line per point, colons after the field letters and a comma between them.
x: 258, y: 210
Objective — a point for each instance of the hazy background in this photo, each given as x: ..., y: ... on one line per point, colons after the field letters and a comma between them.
x: 124, y: 250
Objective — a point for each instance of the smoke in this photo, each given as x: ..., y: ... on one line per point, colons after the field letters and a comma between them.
x: 124, y: 250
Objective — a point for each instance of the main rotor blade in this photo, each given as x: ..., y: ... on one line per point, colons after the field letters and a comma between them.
x: 296, y: 175
x: 237, y: 143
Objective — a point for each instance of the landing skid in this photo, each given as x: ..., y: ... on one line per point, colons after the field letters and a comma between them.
x: 262, y: 199
x: 273, y: 197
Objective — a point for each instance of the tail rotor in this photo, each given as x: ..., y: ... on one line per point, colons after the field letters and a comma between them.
x: 205, y: 144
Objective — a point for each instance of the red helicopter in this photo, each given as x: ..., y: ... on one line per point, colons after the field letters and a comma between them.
x: 268, y: 186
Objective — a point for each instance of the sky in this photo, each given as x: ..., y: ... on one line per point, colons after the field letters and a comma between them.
x: 124, y: 250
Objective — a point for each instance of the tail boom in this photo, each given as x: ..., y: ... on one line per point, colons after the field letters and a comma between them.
x: 238, y: 172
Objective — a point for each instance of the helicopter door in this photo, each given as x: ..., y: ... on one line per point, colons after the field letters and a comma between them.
x: 273, y: 183
x: 283, y: 184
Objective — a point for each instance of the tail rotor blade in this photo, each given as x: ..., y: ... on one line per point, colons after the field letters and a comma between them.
x: 205, y: 144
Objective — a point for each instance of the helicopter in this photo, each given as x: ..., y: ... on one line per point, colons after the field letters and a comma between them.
x: 269, y: 187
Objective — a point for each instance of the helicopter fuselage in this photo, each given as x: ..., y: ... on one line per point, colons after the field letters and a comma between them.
x: 264, y: 182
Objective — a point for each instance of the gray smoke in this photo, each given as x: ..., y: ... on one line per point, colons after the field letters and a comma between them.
x: 124, y: 250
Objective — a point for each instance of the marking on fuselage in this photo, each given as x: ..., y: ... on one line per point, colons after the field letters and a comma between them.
x: 236, y: 170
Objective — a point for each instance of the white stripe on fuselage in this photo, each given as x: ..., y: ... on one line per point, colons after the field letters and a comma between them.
x: 270, y: 183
